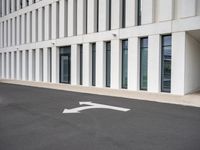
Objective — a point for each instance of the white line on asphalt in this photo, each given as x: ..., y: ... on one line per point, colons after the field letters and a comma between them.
x: 92, y: 105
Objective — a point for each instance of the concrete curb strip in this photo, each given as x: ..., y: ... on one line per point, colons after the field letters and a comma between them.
x: 187, y: 100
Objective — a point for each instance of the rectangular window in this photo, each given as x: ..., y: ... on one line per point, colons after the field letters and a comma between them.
x: 86, y: 16
x: 139, y: 12
x: 97, y: 15
x: 124, y: 64
x: 123, y: 13
x: 93, y: 64
x: 108, y: 63
x: 81, y: 64
x: 143, y: 63
x: 109, y: 15
x: 166, y: 64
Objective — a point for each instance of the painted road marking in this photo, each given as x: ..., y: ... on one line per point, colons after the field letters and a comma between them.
x: 92, y: 105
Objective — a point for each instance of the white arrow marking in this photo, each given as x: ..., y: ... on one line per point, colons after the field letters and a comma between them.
x: 93, y: 106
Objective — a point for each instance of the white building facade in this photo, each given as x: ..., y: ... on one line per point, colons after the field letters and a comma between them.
x: 148, y: 45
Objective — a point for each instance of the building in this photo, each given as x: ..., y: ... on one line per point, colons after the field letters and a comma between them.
x: 149, y: 45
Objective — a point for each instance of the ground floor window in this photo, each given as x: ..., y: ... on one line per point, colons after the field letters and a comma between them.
x: 93, y: 64
x: 124, y: 63
x: 81, y: 64
x: 143, y: 63
x: 166, y: 64
x: 108, y: 63
x: 65, y: 65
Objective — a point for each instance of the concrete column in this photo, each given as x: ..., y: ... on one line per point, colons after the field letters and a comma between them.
x: 30, y: 2
x: 18, y: 4
x: 13, y: 5
x: 1, y: 34
x: 101, y: 65
x: 148, y: 11
x: 55, y: 65
x: 18, y: 30
x: 54, y: 23
x: 178, y: 61
x: 166, y: 10
x: 7, y: 65
x: 40, y: 20
x: 7, y: 6
x: 81, y: 14
x: 116, y: 62
x: 131, y: 13
x: 92, y: 16
x: 0, y: 65
x: 30, y: 67
x: 9, y: 32
x: 116, y: 19
x: 133, y: 64
x: 72, y: 20
x: 87, y: 64
x: 75, y: 65
x: 63, y: 18
x: 23, y: 28
x: 24, y: 3
x: 28, y: 32
x: 18, y: 65
x: 13, y: 31
x: 3, y: 7
x: 3, y: 65
x: 188, y: 9
x: 24, y: 62
x: 154, y: 64
x: 46, y: 64
x: 13, y: 65
x: 103, y: 15
x: 47, y: 22
x: 5, y: 33
x: 38, y: 65
x: 34, y: 26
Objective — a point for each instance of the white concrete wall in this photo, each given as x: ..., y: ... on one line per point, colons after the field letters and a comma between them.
x: 192, y: 64
x: 53, y: 23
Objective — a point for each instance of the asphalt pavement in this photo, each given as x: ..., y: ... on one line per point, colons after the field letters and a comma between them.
x: 32, y: 119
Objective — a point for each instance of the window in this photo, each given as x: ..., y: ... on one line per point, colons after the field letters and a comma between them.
x: 97, y: 15
x: 143, y: 63
x: 123, y: 13
x: 109, y: 15
x: 108, y: 63
x: 86, y: 15
x: 166, y: 64
x: 81, y: 64
x: 139, y: 12
x: 124, y: 64
x: 93, y: 64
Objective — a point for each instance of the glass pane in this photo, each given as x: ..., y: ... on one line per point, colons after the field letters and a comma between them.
x: 144, y: 69
x: 124, y: 64
x: 166, y: 40
x: 108, y: 63
x: 93, y: 64
x: 81, y: 64
x: 166, y: 64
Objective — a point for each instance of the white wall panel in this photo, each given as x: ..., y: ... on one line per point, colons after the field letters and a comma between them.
x: 166, y: 10
x: 116, y: 18
x: 92, y: 16
x: 103, y: 15
x: 75, y: 65
x: 101, y: 64
x: 81, y: 17
x: 131, y: 13
x: 178, y: 63
x: 87, y: 64
x: 116, y: 60
x: 187, y: 8
x: 133, y: 64
x: 147, y: 11
x: 154, y: 64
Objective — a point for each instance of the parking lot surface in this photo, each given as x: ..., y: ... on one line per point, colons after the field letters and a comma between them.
x: 33, y: 119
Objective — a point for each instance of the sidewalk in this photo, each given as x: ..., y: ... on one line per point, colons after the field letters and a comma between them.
x: 187, y: 100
